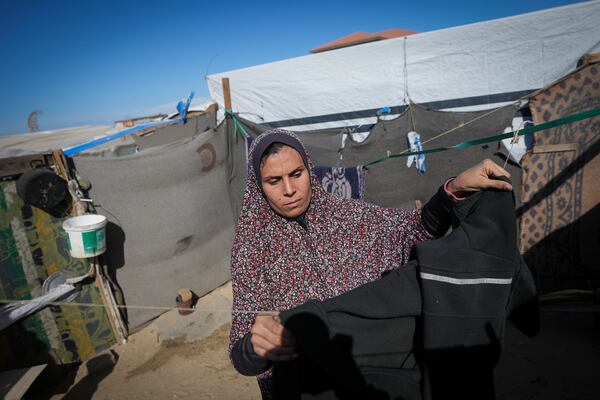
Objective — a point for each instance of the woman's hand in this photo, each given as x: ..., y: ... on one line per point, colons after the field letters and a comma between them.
x: 271, y: 340
x: 479, y: 177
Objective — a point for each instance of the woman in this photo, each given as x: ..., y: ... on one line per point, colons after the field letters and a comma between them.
x: 295, y: 242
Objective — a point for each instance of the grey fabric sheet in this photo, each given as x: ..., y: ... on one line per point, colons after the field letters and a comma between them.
x: 392, y: 184
x: 172, y: 133
x: 236, y: 166
x: 171, y: 221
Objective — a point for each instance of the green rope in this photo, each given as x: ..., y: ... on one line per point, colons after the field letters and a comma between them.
x: 236, y: 124
x: 525, y: 131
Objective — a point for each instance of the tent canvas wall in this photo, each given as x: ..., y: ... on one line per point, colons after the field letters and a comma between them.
x: 201, y: 122
x: 469, y: 67
x: 171, y: 221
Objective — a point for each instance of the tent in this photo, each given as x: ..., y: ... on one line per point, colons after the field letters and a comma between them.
x: 471, y: 67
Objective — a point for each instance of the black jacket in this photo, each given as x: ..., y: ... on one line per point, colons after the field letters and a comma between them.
x: 442, y: 316
x: 355, y: 346
x: 471, y: 281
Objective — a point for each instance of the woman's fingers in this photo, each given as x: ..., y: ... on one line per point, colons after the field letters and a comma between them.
x: 479, y: 177
x: 494, y: 170
x: 273, y: 331
x: 270, y: 339
x: 497, y: 184
x: 265, y: 349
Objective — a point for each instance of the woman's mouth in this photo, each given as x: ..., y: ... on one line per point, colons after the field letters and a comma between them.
x: 293, y: 204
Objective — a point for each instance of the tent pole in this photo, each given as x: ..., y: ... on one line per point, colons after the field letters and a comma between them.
x: 226, y: 93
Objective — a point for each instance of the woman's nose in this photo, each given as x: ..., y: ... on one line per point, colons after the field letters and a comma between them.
x: 288, y: 188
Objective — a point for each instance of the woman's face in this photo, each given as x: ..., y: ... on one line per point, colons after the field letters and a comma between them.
x: 286, y: 182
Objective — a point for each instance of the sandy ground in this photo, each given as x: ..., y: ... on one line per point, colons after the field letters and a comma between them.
x: 147, y: 369
x: 174, y: 357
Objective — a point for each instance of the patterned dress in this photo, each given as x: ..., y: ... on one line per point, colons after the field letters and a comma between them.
x: 277, y: 264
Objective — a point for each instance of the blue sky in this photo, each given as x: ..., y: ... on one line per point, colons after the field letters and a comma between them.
x: 94, y: 62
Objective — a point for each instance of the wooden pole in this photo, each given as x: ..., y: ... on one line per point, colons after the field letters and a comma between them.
x: 112, y: 310
x: 226, y: 93
x: 79, y: 208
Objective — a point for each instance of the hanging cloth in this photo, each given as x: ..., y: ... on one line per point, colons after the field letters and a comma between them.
x: 414, y: 141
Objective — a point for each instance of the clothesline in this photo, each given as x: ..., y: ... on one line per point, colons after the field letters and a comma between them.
x: 495, y: 138
x: 525, y: 131
x: 137, y: 307
x: 164, y: 308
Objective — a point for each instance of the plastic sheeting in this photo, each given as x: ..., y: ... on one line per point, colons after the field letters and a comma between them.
x: 12, y: 312
x: 470, y: 67
x: 171, y: 221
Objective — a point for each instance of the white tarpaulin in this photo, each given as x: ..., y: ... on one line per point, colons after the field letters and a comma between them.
x: 470, y: 67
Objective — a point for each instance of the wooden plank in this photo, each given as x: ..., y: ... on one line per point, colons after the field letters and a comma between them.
x: 110, y: 304
x: 60, y: 164
x: 226, y: 93
x: 552, y: 148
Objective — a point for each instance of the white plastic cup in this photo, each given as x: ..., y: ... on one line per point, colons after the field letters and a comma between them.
x: 86, y: 235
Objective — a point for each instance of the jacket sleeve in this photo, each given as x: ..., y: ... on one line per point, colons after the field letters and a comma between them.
x: 435, y: 215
